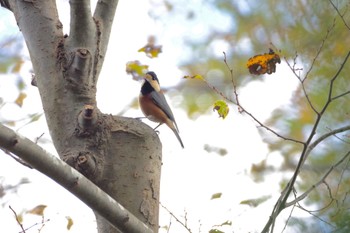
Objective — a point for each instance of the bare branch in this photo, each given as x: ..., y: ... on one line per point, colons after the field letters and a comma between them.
x: 178, y: 220
x: 311, y: 67
x: 81, y: 24
x: 314, y: 215
x: 340, y: 15
x: 103, y: 16
x: 242, y: 109
x: 340, y: 95
x: 323, y: 137
x: 5, y: 4
x: 321, y: 181
x: 17, y: 219
x: 72, y: 180
x: 282, y: 200
x: 330, y: 98
x: 329, y: 30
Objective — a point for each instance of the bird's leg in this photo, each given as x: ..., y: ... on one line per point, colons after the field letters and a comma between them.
x: 157, y: 127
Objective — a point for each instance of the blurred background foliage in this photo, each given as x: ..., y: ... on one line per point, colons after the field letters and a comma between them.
x: 314, y: 38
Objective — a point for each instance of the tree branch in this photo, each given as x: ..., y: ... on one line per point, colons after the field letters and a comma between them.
x: 103, y: 16
x: 340, y: 15
x: 72, y: 180
x: 321, y: 181
x: 242, y: 109
x: 176, y: 218
x: 329, y: 30
x: 5, y: 4
x: 323, y: 137
x: 81, y: 24
x: 282, y: 200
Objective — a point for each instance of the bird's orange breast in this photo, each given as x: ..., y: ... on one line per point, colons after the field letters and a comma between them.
x: 151, y: 110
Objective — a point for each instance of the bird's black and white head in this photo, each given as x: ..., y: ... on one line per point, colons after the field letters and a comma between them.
x: 151, y: 82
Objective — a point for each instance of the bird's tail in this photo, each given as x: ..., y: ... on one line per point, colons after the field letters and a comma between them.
x: 178, y: 136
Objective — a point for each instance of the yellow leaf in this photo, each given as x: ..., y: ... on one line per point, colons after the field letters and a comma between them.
x: 18, y: 66
x: 222, y: 108
x: 69, y: 222
x: 196, y: 76
x: 20, y: 218
x: 20, y: 98
x: 10, y: 123
x: 151, y: 50
x: 38, y: 210
x: 136, y: 69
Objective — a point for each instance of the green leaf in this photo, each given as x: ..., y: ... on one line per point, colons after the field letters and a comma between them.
x: 215, y: 231
x: 35, y: 117
x: 222, y: 108
x: 226, y: 223
x: 255, y: 202
x: 215, y: 196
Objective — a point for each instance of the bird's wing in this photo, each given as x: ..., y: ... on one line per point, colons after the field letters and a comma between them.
x: 160, y: 101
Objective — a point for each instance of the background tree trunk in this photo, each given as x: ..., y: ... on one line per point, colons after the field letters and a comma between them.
x: 120, y: 155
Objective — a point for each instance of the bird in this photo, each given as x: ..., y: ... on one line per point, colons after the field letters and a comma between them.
x: 154, y: 105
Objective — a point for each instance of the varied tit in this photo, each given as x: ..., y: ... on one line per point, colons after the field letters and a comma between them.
x: 153, y: 104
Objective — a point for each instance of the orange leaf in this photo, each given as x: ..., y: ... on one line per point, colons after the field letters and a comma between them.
x: 38, y: 210
x: 20, y: 98
x: 263, y: 63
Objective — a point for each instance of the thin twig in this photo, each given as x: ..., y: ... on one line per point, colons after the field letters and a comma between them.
x: 242, y: 109
x: 19, y: 160
x: 321, y: 181
x: 314, y: 215
x: 42, y: 223
x: 17, y: 219
x: 330, y: 98
x: 323, y: 137
x: 176, y: 218
x: 340, y: 95
x: 340, y: 15
x: 282, y: 200
x: 329, y: 30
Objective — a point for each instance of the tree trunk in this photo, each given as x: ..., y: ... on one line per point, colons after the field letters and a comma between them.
x: 120, y: 155
x: 131, y: 173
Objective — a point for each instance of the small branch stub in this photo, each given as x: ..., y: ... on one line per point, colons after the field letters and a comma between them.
x: 34, y: 82
x: 83, y: 161
x: 86, y: 164
x: 87, y: 117
x: 82, y: 62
